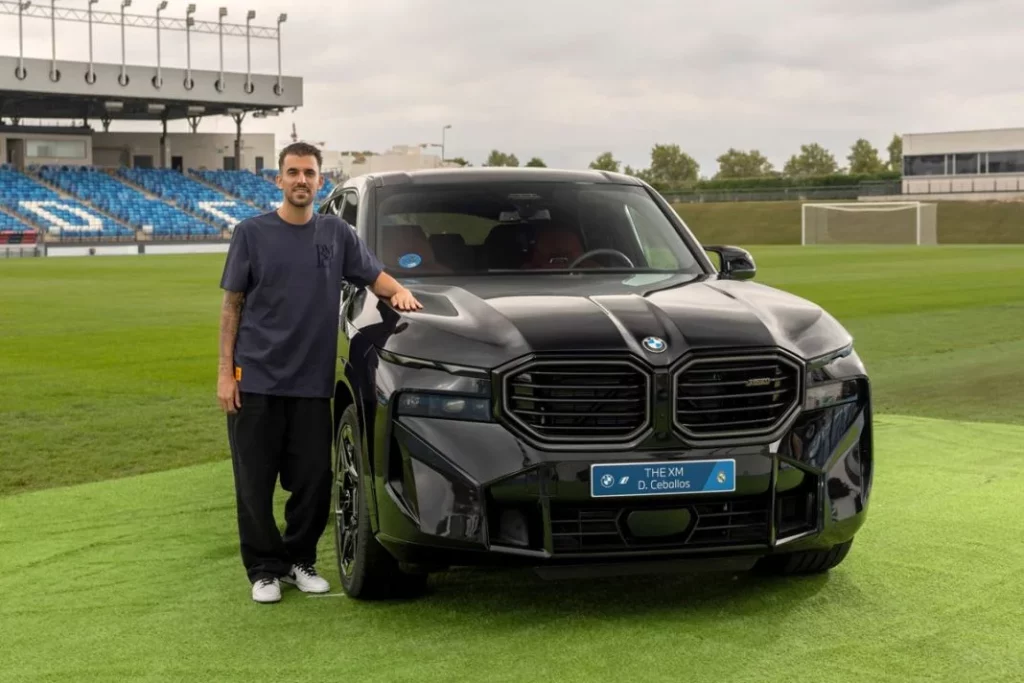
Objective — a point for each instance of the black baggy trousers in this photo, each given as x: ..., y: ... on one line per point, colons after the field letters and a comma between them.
x: 290, y: 438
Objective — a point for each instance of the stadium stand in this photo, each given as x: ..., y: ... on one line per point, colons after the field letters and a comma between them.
x: 201, y: 199
x: 259, y: 188
x: 152, y: 216
x: 13, y: 231
x: 244, y: 185
x: 59, y: 217
x: 70, y: 202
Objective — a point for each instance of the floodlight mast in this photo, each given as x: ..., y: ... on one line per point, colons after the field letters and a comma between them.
x: 44, y: 11
x: 221, y: 13
x: 280, y: 20
x: 248, y: 52
x: 123, y: 78
x: 189, y: 23
x: 53, y: 41
x: 90, y: 75
x: 159, y: 80
x: 22, y: 6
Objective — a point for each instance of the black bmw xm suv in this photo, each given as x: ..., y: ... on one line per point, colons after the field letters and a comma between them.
x: 586, y: 389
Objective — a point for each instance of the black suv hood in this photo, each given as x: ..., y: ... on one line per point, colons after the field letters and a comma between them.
x: 486, y: 321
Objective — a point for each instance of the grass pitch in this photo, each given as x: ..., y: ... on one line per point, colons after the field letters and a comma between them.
x: 109, y: 364
x: 139, y: 580
x: 108, y: 370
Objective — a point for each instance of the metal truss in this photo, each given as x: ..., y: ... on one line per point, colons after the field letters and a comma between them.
x: 142, y: 21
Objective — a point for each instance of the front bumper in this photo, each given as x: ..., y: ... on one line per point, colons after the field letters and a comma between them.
x: 464, y: 493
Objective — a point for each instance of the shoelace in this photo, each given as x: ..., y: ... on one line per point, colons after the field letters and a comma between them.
x: 266, y: 582
x: 306, y: 569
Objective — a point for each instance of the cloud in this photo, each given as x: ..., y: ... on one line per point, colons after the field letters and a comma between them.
x: 568, y: 79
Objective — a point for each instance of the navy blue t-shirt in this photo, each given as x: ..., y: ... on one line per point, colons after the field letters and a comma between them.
x: 292, y: 277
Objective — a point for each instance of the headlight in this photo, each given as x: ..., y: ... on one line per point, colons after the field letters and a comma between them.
x: 827, y: 383
x: 451, y: 406
x: 830, y: 394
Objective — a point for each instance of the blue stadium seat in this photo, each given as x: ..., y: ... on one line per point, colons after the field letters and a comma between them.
x: 9, y: 223
x: 174, y: 186
x: 55, y: 214
x: 153, y: 216
x: 245, y: 185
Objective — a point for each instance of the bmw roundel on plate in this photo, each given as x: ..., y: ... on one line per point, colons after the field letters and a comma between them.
x: 587, y: 387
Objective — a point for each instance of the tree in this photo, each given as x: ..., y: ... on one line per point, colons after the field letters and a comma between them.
x: 671, y: 165
x: 864, y: 158
x: 497, y: 158
x: 738, y: 164
x: 460, y: 161
x: 536, y: 162
x: 605, y: 162
x: 896, y: 153
x: 812, y: 160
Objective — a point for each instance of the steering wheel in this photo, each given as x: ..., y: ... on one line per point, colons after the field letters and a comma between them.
x: 594, y: 252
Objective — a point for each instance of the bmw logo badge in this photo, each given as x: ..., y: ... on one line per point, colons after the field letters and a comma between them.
x: 655, y: 344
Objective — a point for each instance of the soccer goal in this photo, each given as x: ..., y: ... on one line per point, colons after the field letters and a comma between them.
x: 868, y: 223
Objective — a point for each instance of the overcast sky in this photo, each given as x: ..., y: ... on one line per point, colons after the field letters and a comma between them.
x: 568, y: 79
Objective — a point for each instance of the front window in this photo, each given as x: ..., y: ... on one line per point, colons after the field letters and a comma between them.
x: 526, y: 227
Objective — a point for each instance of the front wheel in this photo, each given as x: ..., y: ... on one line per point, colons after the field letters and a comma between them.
x: 366, y: 569
x: 805, y: 561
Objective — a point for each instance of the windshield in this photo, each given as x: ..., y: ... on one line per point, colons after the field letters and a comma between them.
x: 526, y: 227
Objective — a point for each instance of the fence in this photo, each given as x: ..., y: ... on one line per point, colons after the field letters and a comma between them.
x: 883, y: 188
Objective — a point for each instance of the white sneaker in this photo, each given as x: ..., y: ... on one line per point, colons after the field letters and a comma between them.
x: 304, y: 576
x: 266, y: 590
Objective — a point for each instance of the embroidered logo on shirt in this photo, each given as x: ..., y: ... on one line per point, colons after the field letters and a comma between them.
x: 324, y: 255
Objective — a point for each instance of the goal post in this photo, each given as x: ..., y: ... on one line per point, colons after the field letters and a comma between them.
x: 868, y: 223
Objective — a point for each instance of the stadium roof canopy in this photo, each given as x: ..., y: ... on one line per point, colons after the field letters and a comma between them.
x: 72, y: 96
x: 62, y: 89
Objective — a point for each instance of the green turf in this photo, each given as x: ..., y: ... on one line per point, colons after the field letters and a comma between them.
x: 957, y: 222
x: 138, y: 579
x: 109, y: 364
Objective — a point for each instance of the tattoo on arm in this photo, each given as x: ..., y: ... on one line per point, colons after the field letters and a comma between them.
x: 230, y: 314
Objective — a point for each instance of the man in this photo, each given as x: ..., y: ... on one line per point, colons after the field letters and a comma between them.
x: 278, y: 346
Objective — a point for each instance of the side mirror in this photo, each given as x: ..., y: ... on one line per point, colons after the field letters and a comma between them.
x: 734, y: 263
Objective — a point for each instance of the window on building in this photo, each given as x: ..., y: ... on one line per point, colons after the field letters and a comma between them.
x: 932, y: 164
x: 965, y: 164
x: 1006, y: 162
x: 55, y: 149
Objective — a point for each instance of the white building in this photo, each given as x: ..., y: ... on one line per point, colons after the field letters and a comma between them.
x: 980, y: 163
x: 398, y: 158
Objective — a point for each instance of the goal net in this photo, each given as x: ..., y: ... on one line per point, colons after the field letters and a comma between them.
x: 869, y: 223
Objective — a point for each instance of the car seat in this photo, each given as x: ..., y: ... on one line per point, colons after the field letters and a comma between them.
x: 557, y: 249
x: 406, y: 247
x: 451, y: 250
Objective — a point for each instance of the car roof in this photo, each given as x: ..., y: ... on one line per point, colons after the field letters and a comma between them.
x: 459, y: 176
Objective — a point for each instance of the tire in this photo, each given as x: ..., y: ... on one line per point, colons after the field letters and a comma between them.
x: 805, y: 562
x: 367, y: 570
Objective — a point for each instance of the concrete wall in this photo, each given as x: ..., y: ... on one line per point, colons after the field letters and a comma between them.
x: 198, y: 150
x: 998, y: 140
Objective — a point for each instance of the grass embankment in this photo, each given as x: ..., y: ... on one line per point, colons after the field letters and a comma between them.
x: 755, y: 223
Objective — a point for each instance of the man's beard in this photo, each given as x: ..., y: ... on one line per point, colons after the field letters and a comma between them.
x: 299, y: 202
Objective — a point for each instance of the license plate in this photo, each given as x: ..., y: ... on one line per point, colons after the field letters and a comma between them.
x: 677, y: 477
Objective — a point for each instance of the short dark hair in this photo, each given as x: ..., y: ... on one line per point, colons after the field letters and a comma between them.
x: 302, y: 149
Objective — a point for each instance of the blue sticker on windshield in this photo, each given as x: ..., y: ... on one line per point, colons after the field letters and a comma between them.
x: 410, y: 260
